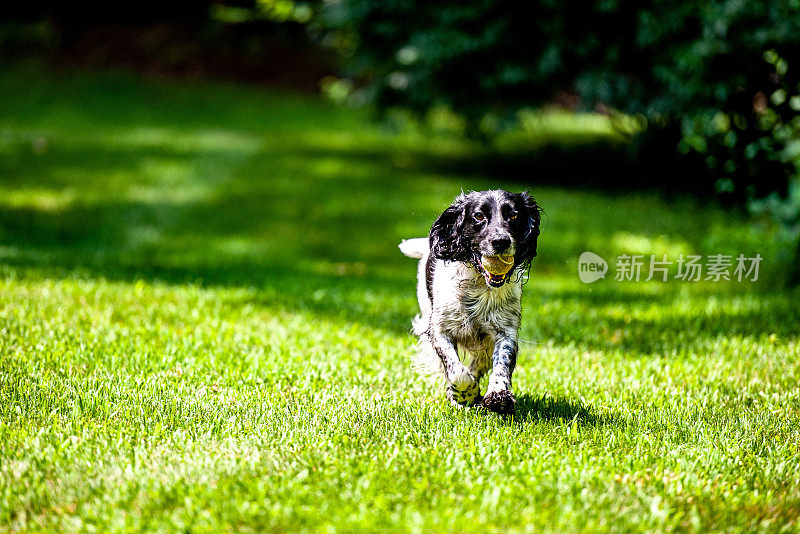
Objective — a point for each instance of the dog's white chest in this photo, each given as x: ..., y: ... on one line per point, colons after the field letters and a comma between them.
x: 469, y: 310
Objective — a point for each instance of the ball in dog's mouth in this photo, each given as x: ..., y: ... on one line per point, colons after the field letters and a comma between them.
x: 495, y: 268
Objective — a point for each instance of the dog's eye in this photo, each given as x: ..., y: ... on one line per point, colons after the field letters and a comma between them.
x: 479, y: 216
x: 512, y: 215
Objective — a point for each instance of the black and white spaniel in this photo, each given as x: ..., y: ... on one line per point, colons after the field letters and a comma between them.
x: 469, y: 286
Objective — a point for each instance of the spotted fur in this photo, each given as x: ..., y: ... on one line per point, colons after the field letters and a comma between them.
x: 463, y: 310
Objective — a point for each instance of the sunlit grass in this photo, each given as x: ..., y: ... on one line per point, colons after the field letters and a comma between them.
x: 204, y: 322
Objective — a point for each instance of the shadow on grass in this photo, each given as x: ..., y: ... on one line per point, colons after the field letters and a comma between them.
x: 663, y: 324
x: 546, y: 408
x: 388, y: 305
x: 341, y: 269
x: 310, y: 226
x: 363, y: 278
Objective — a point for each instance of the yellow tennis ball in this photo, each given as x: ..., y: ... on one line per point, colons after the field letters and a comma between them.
x: 497, y: 265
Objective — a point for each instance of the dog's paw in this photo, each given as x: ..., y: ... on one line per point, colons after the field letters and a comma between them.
x: 463, y: 388
x: 501, y: 402
x: 463, y: 380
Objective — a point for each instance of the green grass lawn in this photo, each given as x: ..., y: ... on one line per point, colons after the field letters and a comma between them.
x: 204, y: 325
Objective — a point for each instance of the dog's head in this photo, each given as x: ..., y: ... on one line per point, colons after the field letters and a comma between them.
x: 496, y: 231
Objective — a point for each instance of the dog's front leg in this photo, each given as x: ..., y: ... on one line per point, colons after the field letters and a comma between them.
x: 504, y: 358
x: 462, y: 386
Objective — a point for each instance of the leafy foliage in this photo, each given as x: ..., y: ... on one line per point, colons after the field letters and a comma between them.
x: 716, y: 73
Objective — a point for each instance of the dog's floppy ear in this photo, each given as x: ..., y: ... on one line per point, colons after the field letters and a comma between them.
x: 446, y: 239
x: 531, y: 213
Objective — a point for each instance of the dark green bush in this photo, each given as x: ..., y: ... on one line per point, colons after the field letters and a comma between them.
x: 715, y: 73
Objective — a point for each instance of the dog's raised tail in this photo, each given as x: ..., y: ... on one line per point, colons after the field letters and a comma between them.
x: 414, y: 248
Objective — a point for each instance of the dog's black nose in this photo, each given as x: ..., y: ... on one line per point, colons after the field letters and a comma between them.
x: 500, y: 244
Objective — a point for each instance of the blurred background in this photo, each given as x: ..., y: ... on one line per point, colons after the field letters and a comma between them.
x: 138, y: 136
